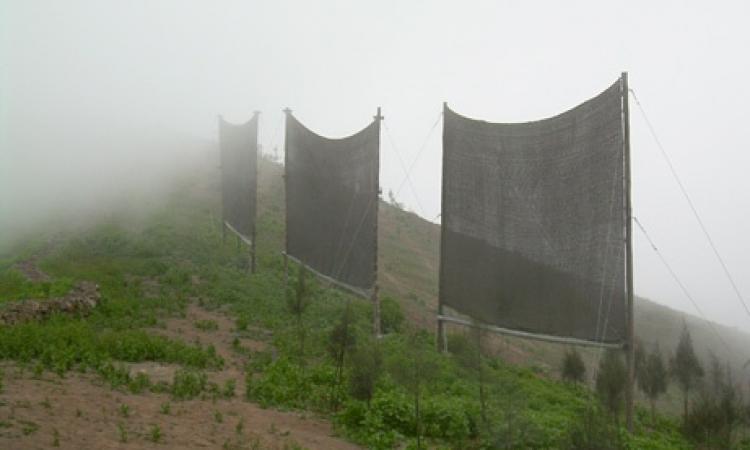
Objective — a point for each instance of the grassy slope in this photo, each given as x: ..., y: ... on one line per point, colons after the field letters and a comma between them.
x: 181, y: 240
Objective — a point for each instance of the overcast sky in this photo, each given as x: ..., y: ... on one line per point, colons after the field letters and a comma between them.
x: 70, y: 70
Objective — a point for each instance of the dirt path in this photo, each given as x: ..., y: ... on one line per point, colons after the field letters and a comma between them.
x: 30, y: 270
x: 78, y: 412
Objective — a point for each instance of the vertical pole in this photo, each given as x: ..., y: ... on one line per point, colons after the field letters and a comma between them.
x: 220, y: 122
x: 258, y: 152
x: 287, y: 114
x: 376, y: 321
x: 442, y: 339
x: 630, y: 344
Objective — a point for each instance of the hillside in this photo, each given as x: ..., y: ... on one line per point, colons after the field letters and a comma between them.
x: 188, y: 350
x: 409, y: 271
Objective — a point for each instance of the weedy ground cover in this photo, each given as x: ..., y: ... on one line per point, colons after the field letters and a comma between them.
x: 150, y: 270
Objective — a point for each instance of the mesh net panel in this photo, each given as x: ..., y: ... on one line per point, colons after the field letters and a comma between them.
x: 534, y: 221
x: 332, y: 196
x: 239, y: 162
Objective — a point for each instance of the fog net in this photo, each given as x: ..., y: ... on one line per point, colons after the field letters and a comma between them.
x: 238, y: 146
x: 534, y: 221
x: 331, y: 203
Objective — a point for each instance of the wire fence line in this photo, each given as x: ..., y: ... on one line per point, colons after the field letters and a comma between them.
x: 679, y: 282
x: 689, y: 200
x: 408, y: 170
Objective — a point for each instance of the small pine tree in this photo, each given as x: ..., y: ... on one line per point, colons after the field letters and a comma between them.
x: 414, y: 370
x: 610, y: 382
x: 297, y: 301
x: 717, y: 411
x: 686, y: 369
x: 652, y: 377
x: 391, y: 316
x: 467, y: 350
x: 340, y: 341
x: 639, y: 356
x: 573, y: 367
x: 367, y: 366
x: 592, y: 431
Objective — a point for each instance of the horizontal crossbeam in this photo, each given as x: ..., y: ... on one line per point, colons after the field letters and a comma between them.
x: 242, y: 237
x: 526, y: 335
x: 366, y: 294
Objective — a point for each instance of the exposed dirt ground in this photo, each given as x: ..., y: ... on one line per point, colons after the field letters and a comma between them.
x: 79, y: 412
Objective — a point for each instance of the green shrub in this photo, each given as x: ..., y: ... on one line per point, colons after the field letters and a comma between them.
x: 391, y: 315
x: 115, y: 375
x: 176, y: 277
x: 155, y: 433
x: 187, y: 384
x: 573, y: 367
x: 241, y: 323
x: 287, y: 384
x: 228, y: 390
x: 15, y: 286
x: 366, y: 368
x: 62, y: 343
x: 450, y: 419
x: 139, y: 383
x: 610, y: 382
x: 594, y: 431
x: 206, y: 325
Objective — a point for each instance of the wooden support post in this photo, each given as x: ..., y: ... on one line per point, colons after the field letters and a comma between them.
x: 442, y: 339
x: 220, y: 124
x: 630, y: 345
x: 376, y: 318
x: 253, y: 234
x: 287, y: 113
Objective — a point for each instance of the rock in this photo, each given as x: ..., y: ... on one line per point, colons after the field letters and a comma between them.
x: 80, y: 300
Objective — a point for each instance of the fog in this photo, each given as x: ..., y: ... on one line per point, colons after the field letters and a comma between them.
x: 97, y: 98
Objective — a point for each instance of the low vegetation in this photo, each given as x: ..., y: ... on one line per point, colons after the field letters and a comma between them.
x: 396, y: 391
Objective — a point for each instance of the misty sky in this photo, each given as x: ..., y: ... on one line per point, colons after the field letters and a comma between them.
x: 75, y: 76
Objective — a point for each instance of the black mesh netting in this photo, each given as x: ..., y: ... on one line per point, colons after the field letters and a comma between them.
x: 332, y: 198
x: 534, y: 221
x: 238, y: 146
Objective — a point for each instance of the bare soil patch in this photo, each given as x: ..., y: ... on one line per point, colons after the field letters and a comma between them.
x: 77, y: 412
x: 81, y: 412
x: 189, y: 329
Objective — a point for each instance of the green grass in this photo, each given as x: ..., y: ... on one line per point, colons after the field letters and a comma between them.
x: 147, y: 269
x: 188, y: 384
x: 15, y: 286
x: 206, y: 325
x: 63, y: 343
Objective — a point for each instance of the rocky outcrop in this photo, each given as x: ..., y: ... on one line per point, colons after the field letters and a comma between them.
x: 79, y: 301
